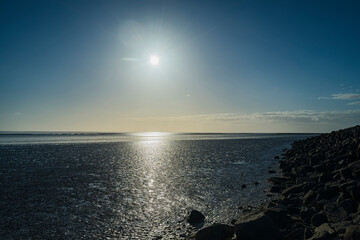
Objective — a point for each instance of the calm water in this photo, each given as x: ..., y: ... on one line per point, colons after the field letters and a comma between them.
x: 128, y: 186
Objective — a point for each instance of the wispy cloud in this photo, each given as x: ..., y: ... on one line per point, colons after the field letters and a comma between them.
x: 128, y: 59
x: 346, y: 96
x: 354, y: 103
x: 301, y: 116
x: 342, y: 96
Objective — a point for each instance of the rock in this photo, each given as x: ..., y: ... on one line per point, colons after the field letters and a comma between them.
x: 256, y: 226
x: 307, y: 233
x: 318, y: 219
x: 346, y: 173
x: 243, y: 186
x: 276, y: 157
x: 276, y: 189
x: 325, y: 177
x: 278, y: 216
x: 325, y: 227
x: 328, y: 192
x: 335, y: 213
x: 215, y: 232
x: 271, y: 171
x: 308, y: 197
x: 340, y: 227
x: 352, y: 233
x: 195, y: 217
x: 294, y: 189
x: 278, y: 180
x: 347, y: 204
x: 296, y: 234
x: 306, y: 214
x: 321, y: 236
x: 354, y: 192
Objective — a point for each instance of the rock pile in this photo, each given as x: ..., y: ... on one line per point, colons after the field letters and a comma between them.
x: 318, y: 193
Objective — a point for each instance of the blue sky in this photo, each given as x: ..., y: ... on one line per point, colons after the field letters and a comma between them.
x: 225, y: 66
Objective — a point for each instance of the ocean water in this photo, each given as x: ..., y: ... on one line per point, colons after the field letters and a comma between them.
x: 129, y: 186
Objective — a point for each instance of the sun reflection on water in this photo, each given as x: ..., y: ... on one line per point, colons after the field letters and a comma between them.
x: 152, y: 165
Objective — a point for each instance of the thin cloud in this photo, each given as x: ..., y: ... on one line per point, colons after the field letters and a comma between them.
x: 346, y: 96
x: 342, y: 96
x: 354, y: 103
x: 301, y: 116
x: 127, y: 59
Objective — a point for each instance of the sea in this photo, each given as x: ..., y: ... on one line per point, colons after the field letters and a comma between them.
x: 71, y: 185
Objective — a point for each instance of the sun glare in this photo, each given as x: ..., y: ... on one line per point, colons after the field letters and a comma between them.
x: 154, y: 60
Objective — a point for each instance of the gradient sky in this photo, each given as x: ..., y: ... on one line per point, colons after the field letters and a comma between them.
x: 225, y: 66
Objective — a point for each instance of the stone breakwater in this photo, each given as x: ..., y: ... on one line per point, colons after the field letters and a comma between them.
x: 318, y: 194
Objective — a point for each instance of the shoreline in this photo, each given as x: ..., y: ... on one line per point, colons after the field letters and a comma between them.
x: 317, y: 195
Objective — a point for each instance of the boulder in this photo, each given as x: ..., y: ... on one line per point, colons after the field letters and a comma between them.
x: 318, y: 219
x: 335, y: 212
x: 354, y: 192
x: 340, y: 227
x: 195, y: 217
x: 306, y: 214
x: 295, y: 234
x: 294, y: 189
x: 321, y: 236
x: 278, y: 216
x: 256, y: 226
x: 325, y: 227
x: 308, y: 197
x: 215, y: 232
x: 352, y: 233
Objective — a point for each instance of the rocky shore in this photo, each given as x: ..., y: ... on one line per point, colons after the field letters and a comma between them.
x: 317, y: 195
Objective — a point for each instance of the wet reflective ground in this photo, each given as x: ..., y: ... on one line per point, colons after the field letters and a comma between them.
x: 129, y: 190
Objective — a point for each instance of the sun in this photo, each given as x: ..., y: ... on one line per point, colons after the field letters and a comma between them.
x: 154, y: 60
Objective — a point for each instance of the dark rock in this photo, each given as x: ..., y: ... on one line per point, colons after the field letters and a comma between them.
x: 335, y: 212
x: 318, y: 219
x: 256, y: 226
x: 328, y: 192
x: 321, y: 236
x: 294, y: 189
x: 352, y: 233
x: 271, y: 171
x: 215, y: 232
x: 306, y: 214
x: 347, y: 204
x: 256, y: 183
x: 278, y: 216
x: 354, y: 192
x: 325, y: 177
x: 307, y: 233
x: 276, y: 157
x: 296, y: 234
x: 293, y: 208
x: 278, y: 180
x: 276, y: 189
x: 195, y: 217
x: 325, y: 227
x: 340, y: 227
x: 243, y: 186
x: 346, y: 173
x: 308, y: 197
